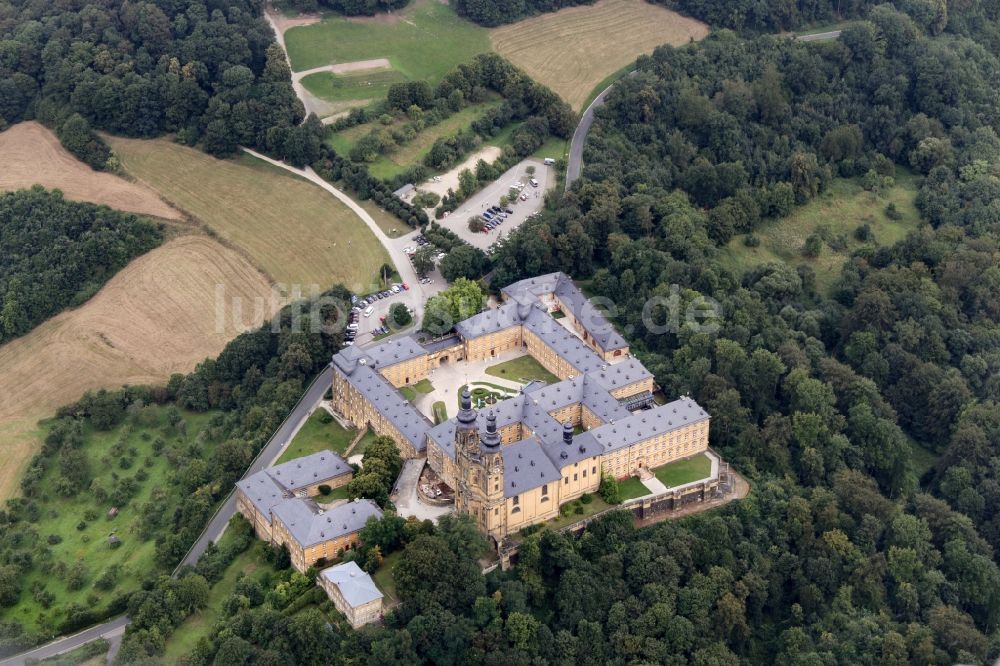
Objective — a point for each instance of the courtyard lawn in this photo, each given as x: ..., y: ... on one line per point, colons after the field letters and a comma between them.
x: 318, y: 434
x: 424, y: 387
x: 678, y: 473
x: 363, y: 443
x: 423, y: 41
x: 522, y: 369
x: 631, y: 488
x: 338, y: 493
x: 440, y: 412
x: 578, y: 511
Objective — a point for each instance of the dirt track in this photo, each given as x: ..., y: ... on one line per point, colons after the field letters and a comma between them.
x: 31, y: 154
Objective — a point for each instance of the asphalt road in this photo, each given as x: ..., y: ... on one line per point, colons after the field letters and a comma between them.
x: 212, y: 532
x: 819, y: 36
x: 110, y: 629
x: 575, y: 163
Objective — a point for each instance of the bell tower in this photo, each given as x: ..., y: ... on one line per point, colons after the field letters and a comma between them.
x: 494, y: 511
x: 467, y: 458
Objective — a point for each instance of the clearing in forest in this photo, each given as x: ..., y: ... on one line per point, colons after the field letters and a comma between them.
x: 293, y: 230
x: 33, y: 155
x: 157, y: 316
x: 834, y: 215
x: 423, y: 41
x: 575, y: 49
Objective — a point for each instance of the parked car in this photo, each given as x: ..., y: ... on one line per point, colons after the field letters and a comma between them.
x: 509, y: 210
x: 534, y: 183
x: 369, y: 311
x: 548, y: 161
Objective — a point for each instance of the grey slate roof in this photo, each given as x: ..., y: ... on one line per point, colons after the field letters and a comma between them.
x: 645, y: 424
x: 308, y: 470
x: 383, y: 397
x: 262, y: 491
x: 526, y: 466
x: 489, y: 321
x: 395, y: 351
x: 442, y: 343
x: 309, y: 525
x: 559, y: 284
x: 355, y: 585
x: 270, y: 486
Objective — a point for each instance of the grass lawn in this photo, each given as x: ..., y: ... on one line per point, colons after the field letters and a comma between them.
x: 423, y: 41
x: 363, y: 443
x: 200, y: 624
x: 338, y: 493
x: 684, y: 471
x: 840, y: 210
x: 60, y: 518
x: 424, y: 386
x: 440, y: 412
x: 596, y: 505
x: 631, y: 488
x: 522, y: 369
x: 291, y: 229
x: 366, y: 84
x: 390, y: 225
x: 413, y: 152
x: 572, y: 50
x: 315, y: 435
x: 383, y: 577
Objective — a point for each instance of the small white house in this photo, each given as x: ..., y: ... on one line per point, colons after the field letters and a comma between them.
x: 353, y: 593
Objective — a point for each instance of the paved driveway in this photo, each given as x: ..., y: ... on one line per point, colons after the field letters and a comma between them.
x: 407, y: 503
x: 458, y: 220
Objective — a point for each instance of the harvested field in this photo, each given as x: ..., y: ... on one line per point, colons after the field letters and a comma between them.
x: 33, y: 155
x: 293, y: 230
x: 157, y: 316
x: 574, y: 49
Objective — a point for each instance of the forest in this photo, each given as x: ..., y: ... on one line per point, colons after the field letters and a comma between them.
x: 208, y: 71
x: 491, y: 13
x: 56, y: 254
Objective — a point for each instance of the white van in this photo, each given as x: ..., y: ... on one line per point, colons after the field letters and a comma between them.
x: 549, y: 161
x: 534, y: 183
x: 369, y: 310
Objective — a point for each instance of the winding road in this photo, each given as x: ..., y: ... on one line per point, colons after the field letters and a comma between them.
x: 113, y: 629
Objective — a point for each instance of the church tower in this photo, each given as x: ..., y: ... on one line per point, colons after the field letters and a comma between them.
x: 480, y: 468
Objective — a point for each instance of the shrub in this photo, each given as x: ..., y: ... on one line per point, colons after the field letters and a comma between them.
x: 325, y: 490
x: 813, y: 246
x: 752, y: 240
x: 609, y: 490
x: 586, y: 498
x: 81, y: 526
x: 892, y: 212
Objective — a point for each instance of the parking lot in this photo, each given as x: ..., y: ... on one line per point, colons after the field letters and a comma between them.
x: 367, y: 326
x: 458, y: 221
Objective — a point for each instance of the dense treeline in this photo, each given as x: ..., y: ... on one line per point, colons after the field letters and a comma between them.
x: 492, y: 13
x: 333, y: 167
x: 209, y: 71
x: 828, y: 399
x: 540, y: 112
x: 56, y: 254
x: 349, y: 7
x: 750, y: 128
x: 254, y: 382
